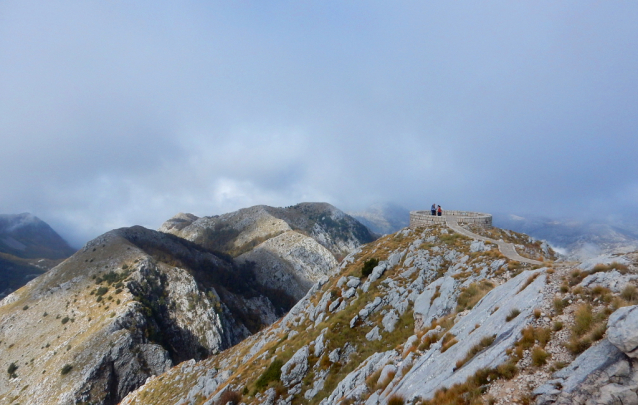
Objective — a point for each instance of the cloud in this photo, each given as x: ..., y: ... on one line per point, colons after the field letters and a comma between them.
x: 114, y: 114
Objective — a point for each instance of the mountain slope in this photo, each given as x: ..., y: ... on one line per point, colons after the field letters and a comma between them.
x: 441, y: 319
x: 129, y: 305
x: 291, y: 247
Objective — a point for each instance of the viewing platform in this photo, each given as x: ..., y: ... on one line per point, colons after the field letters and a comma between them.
x: 423, y: 218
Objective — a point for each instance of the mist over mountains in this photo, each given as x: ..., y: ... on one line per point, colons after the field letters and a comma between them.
x: 28, y: 247
x: 577, y: 239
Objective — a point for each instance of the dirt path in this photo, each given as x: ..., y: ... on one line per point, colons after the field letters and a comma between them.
x: 507, y: 249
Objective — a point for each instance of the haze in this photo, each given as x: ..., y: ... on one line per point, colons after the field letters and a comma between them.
x: 121, y: 113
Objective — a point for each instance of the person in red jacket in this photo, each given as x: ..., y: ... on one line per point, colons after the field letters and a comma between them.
x: 439, y: 211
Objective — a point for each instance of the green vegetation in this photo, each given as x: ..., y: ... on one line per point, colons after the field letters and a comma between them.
x: 272, y: 373
x: 368, y: 266
x: 12, y: 370
x: 65, y: 320
x: 101, y: 291
x: 66, y: 369
x: 560, y: 305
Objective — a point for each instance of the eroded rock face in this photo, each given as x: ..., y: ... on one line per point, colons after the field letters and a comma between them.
x: 291, y: 247
x: 290, y: 262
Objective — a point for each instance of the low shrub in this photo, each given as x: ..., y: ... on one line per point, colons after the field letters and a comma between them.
x: 471, y: 295
x: 396, y: 399
x: 12, y: 370
x: 583, y: 318
x: 629, y: 293
x: 560, y: 305
x: 476, y: 349
x: 368, y: 266
x: 529, y: 281
x: 66, y: 369
x: 539, y: 356
x: 513, y: 314
x: 229, y: 396
x: 449, y: 340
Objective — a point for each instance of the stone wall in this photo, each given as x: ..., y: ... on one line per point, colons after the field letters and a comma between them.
x: 423, y: 218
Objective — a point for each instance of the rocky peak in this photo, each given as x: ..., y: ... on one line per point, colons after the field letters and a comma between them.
x: 291, y: 248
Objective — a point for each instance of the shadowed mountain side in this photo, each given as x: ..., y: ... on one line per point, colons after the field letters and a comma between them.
x: 130, y: 304
x: 291, y: 248
x: 28, y: 248
x: 26, y: 236
x: 290, y: 262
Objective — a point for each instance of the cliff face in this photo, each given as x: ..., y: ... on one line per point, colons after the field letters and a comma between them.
x: 129, y: 305
x: 291, y: 248
x: 440, y: 319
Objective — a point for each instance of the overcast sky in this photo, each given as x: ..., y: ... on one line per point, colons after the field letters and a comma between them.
x: 116, y: 113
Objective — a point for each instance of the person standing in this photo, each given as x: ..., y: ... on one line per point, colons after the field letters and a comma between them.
x: 433, y: 209
x: 440, y: 211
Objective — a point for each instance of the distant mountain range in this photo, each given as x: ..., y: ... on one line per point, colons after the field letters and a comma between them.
x: 383, y: 218
x: 28, y: 248
x: 576, y: 239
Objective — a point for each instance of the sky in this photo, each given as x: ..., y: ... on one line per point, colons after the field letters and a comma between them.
x: 125, y: 113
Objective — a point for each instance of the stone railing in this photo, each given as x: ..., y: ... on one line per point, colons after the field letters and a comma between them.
x: 423, y: 218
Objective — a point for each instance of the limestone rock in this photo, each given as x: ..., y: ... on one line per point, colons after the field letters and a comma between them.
x: 373, y: 334
x: 622, y: 330
x: 434, y: 369
x: 390, y: 320
x: 296, y: 368
x: 613, y: 280
x: 437, y: 300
